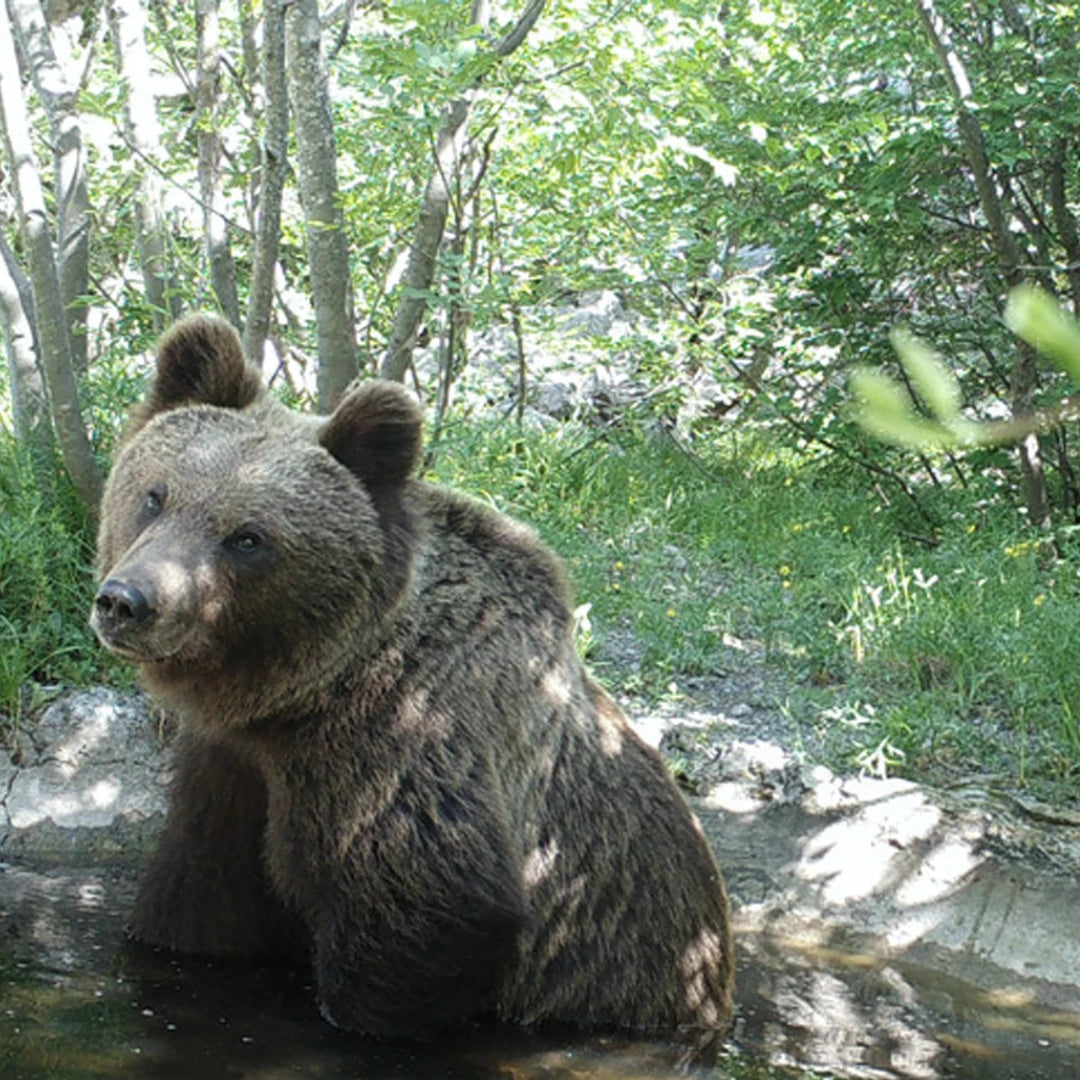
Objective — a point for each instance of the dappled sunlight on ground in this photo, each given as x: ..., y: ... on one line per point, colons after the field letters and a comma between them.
x: 881, y: 927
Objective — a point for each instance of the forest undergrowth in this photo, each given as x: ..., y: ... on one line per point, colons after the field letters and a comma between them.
x: 926, y: 655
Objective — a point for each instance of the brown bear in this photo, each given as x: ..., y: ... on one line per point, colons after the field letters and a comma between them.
x: 392, y: 759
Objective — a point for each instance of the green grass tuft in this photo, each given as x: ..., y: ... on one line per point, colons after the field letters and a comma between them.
x: 954, y: 657
x: 46, y: 581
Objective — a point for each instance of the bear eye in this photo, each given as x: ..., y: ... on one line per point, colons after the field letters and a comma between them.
x: 154, y: 501
x: 245, y: 541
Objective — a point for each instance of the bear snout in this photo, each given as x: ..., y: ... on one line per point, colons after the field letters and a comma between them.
x: 121, y: 608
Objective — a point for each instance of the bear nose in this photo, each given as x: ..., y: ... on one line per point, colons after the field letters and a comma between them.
x: 121, y: 606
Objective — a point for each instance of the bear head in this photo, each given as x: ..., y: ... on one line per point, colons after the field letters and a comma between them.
x: 247, y: 554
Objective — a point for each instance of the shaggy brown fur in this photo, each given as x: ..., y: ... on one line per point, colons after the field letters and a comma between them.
x: 392, y: 755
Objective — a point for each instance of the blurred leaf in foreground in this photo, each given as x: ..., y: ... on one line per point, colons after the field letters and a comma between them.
x: 936, y: 384
x: 1038, y: 318
x: 885, y: 408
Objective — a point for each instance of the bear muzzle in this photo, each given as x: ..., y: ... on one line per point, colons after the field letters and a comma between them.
x: 121, y: 611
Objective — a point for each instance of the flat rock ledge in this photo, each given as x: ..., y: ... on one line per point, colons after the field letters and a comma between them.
x: 982, y: 887
x: 975, y: 887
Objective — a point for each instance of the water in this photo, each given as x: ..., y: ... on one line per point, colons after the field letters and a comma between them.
x: 75, y: 1003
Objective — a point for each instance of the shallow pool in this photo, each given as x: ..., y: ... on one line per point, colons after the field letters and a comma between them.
x: 76, y: 1002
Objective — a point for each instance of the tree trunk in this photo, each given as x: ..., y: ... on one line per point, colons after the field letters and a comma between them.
x: 127, y: 23
x: 328, y: 253
x: 1064, y: 219
x: 1025, y: 366
x: 515, y: 310
x: 215, y: 224
x: 435, y: 206
x: 248, y: 45
x: 53, y: 339
x: 424, y: 251
x: 274, y: 163
x: 29, y: 402
x: 72, y: 202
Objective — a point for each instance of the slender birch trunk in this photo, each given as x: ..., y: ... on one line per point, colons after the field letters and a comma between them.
x: 273, y: 165
x: 72, y: 201
x: 435, y: 206
x: 127, y: 22
x: 215, y: 224
x: 328, y: 252
x: 29, y: 401
x: 53, y: 340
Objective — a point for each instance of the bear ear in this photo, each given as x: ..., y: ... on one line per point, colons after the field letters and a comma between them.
x: 200, y: 361
x: 375, y: 433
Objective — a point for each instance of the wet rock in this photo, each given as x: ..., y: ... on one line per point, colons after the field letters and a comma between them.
x: 966, y: 882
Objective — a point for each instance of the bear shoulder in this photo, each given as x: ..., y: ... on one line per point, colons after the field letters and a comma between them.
x: 487, y: 548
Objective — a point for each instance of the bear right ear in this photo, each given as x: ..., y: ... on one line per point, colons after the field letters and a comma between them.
x: 375, y: 433
x: 200, y: 361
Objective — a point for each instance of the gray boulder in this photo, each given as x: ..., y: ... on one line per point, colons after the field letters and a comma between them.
x: 87, y: 780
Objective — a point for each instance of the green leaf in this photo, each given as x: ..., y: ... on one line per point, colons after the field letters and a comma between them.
x: 936, y: 384
x: 884, y: 409
x: 1037, y: 317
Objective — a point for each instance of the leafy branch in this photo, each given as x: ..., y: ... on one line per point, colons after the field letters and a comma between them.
x: 885, y: 408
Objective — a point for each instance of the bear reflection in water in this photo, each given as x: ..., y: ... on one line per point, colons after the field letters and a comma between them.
x: 391, y: 759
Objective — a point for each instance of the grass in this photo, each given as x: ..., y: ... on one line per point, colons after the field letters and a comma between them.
x: 46, y: 552
x: 928, y: 660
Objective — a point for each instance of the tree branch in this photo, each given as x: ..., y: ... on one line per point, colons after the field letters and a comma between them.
x: 434, y: 208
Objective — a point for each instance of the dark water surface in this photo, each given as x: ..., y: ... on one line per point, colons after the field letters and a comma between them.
x: 76, y: 1003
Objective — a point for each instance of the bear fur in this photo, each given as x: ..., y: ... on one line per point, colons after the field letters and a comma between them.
x: 391, y: 760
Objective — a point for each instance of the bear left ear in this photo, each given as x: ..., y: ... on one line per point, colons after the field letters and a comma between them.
x: 375, y: 433
x: 200, y: 361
